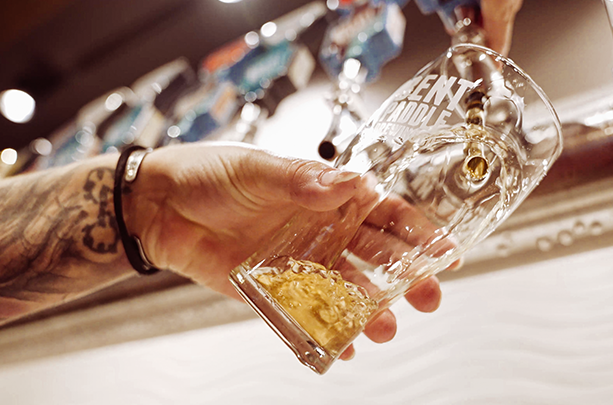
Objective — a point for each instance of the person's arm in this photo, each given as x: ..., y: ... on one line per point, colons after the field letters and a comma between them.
x: 498, y: 20
x: 58, y: 236
x: 199, y: 209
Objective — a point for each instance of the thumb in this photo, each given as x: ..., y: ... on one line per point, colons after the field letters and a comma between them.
x: 309, y: 184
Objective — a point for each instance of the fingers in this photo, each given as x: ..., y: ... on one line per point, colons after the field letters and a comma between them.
x: 348, y: 354
x: 401, y: 238
x: 498, y: 19
x: 426, y: 295
x: 457, y: 265
x: 383, y: 328
x: 380, y: 330
x: 256, y: 178
x: 396, y: 215
x: 376, y: 247
x: 318, y: 187
x: 309, y: 184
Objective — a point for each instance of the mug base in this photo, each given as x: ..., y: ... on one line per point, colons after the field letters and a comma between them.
x: 306, y: 349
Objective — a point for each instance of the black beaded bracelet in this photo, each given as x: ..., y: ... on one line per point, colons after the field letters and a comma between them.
x: 126, y: 172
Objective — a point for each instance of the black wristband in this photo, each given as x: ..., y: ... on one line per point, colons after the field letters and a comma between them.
x: 132, y: 245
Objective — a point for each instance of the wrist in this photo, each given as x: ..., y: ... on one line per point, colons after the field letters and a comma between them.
x: 142, y: 198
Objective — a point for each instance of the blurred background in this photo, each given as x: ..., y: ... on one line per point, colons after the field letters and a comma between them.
x: 67, y: 53
x: 527, y: 321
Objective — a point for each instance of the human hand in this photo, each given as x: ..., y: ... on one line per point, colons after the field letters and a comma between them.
x: 498, y: 20
x: 202, y: 209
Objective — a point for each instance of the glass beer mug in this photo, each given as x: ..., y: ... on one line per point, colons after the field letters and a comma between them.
x: 442, y: 163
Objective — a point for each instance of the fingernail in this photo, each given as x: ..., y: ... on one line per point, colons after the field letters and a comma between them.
x: 333, y: 177
x: 457, y: 265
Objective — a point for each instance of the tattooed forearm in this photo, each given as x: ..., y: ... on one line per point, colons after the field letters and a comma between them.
x: 58, y: 236
x: 98, y: 190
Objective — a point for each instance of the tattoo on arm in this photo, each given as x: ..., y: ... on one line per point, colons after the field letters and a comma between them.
x: 99, y: 192
x: 58, y: 237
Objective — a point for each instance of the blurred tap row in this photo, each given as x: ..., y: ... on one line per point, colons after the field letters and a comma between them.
x: 236, y: 87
